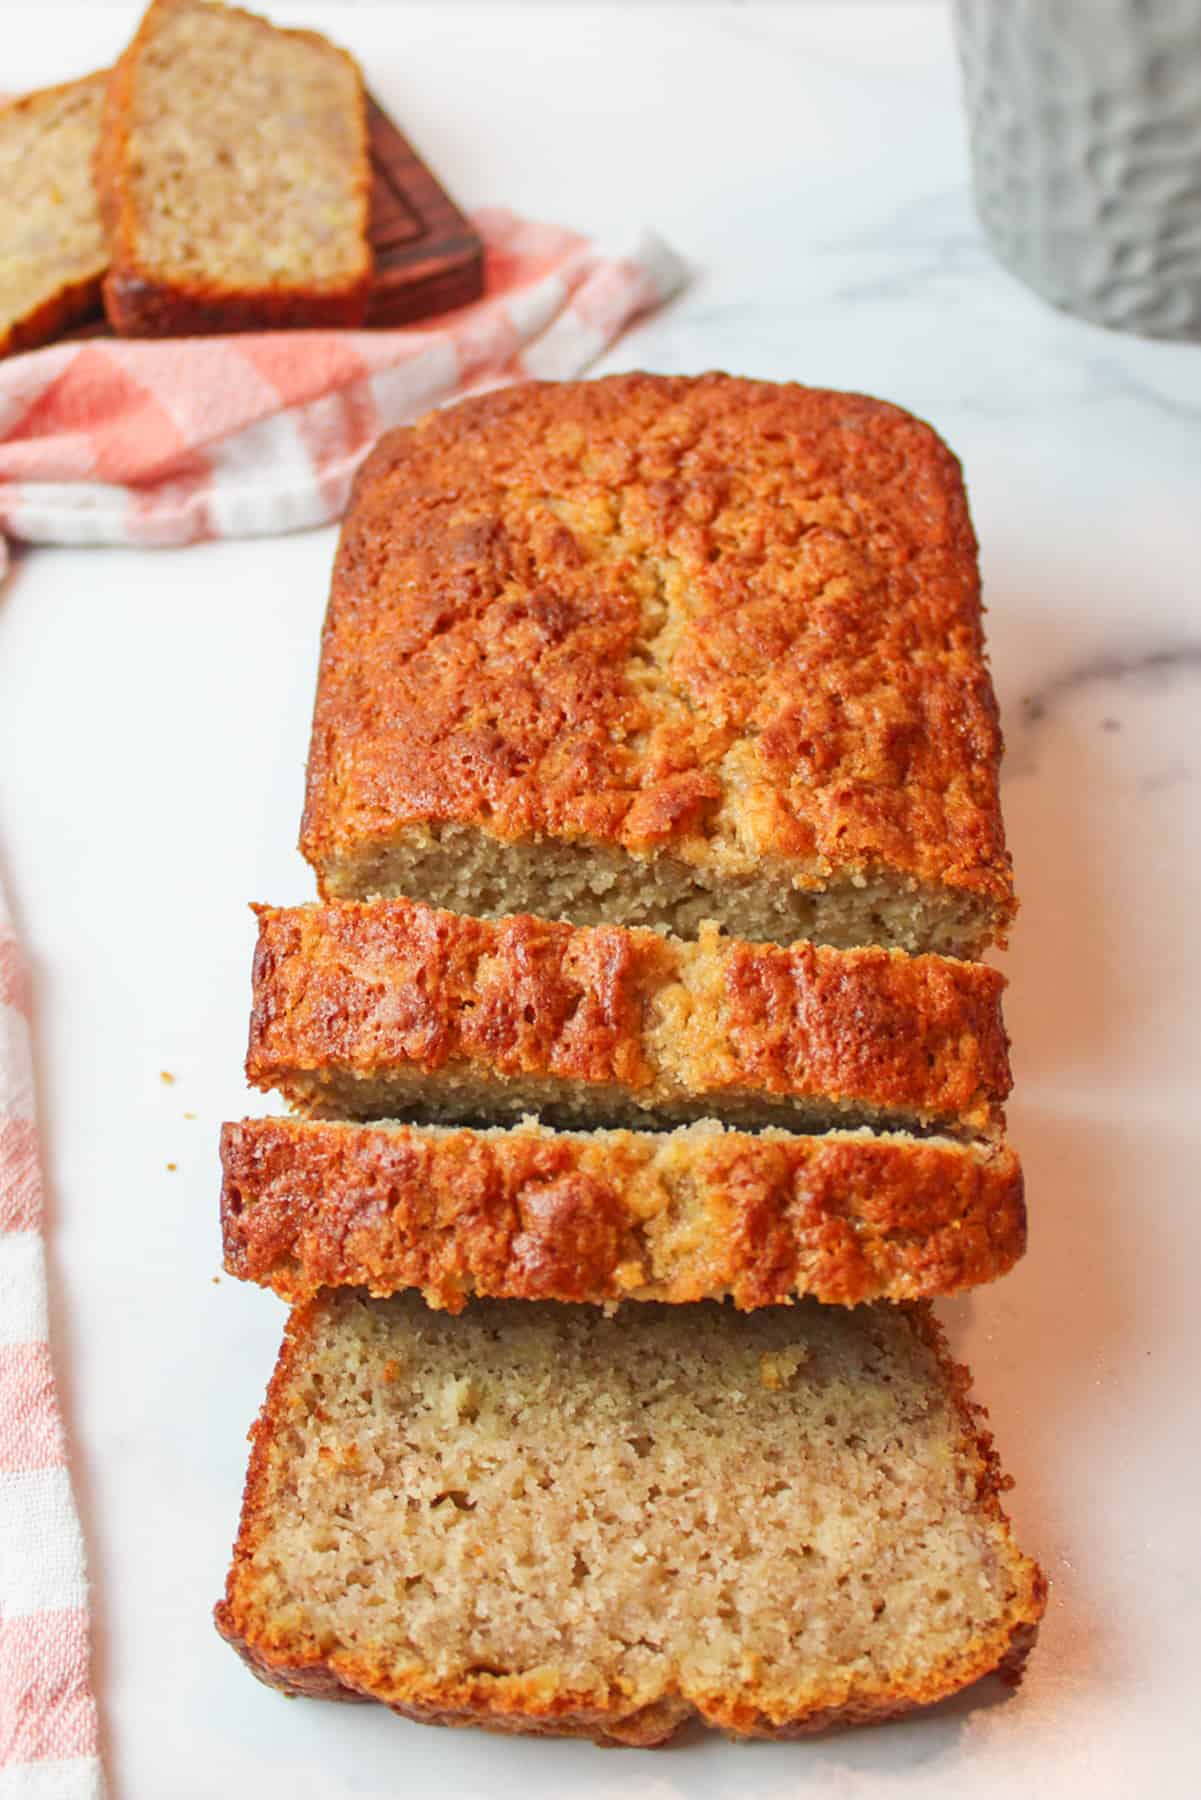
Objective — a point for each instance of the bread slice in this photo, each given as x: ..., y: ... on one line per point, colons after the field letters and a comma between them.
x: 233, y: 176
x: 537, y: 1518
x: 695, y: 1214
x: 52, y: 248
x: 653, y: 650
x: 393, y: 1007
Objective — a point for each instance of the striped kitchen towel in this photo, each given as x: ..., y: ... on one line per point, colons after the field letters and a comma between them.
x: 110, y: 441
x: 48, y: 1740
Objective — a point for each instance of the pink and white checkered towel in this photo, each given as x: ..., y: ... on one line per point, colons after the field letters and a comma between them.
x: 104, y: 441
x: 48, y: 1741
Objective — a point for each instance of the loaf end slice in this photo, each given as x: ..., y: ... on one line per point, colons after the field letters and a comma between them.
x: 652, y: 650
x: 391, y: 1008
x: 234, y: 177
x: 536, y: 1518
x: 54, y: 247
x: 606, y: 1216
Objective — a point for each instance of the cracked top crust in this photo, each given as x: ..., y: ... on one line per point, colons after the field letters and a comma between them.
x: 348, y: 996
x: 730, y: 621
x: 604, y: 1216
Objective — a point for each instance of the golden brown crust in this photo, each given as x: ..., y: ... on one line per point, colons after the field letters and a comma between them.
x: 516, y: 1706
x: 601, y: 1217
x: 298, y: 1664
x: 145, y: 302
x: 74, y: 300
x: 734, y: 622
x: 365, y: 990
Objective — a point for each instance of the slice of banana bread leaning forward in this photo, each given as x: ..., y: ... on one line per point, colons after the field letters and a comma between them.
x: 652, y: 650
x: 234, y: 177
x: 391, y: 1008
x: 52, y: 247
x: 538, y: 1518
x: 604, y: 1216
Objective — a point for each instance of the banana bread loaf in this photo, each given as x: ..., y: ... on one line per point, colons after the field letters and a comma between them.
x: 233, y: 176
x: 533, y: 1214
x: 537, y: 1518
x: 392, y: 1007
x: 655, y: 650
x: 52, y: 248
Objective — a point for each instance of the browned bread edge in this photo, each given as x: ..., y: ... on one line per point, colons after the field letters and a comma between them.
x: 73, y: 301
x: 539, y: 1215
x: 345, y: 995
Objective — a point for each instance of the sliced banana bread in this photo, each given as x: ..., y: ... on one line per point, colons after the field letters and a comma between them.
x: 695, y: 1214
x: 653, y: 650
x: 52, y: 248
x: 233, y: 176
x: 537, y: 1518
x: 393, y: 1008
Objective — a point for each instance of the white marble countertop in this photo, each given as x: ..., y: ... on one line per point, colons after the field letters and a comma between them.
x: 154, y: 711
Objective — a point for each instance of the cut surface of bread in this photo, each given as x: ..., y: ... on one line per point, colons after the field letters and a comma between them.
x: 52, y: 246
x: 393, y: 1008
x: 655, y: 650
x: 536, y: 1518
x: 694, y: 1214
x: 233, y: 176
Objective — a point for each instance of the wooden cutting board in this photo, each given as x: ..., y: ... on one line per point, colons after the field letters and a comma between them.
x: 427, y: 257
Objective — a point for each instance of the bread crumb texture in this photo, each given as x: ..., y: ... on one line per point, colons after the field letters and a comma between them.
x: 657, y: 650
x: 538, y: 1518
x: 233, y: 175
